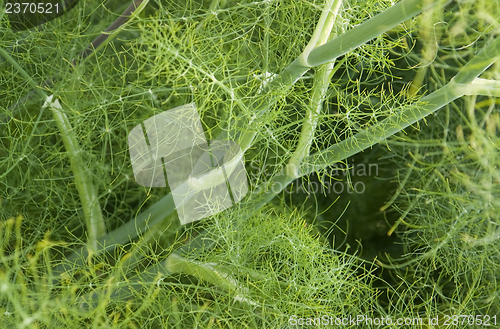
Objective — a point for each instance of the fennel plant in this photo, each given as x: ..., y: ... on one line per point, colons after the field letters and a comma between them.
x: 317, y: 93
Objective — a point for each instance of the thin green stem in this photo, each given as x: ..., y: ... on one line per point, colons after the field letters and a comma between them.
x: 322, y: 78
x: 88, y: 196
x: 214, y: 5
x: 402, y: 184
x: 314, y: 110
x: 409, y: 207
x: 83, y: 181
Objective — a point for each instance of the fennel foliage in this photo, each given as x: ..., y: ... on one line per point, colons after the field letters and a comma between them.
x: 369, y: 131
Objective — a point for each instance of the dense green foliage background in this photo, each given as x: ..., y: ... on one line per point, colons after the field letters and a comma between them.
x: 422, y: 238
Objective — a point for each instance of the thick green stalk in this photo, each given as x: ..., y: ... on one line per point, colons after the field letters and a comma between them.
x: 368, y: 30
x: 483, y: 87
x: 155, y: 214
x: 323, y: 28
x: 178, y: 264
